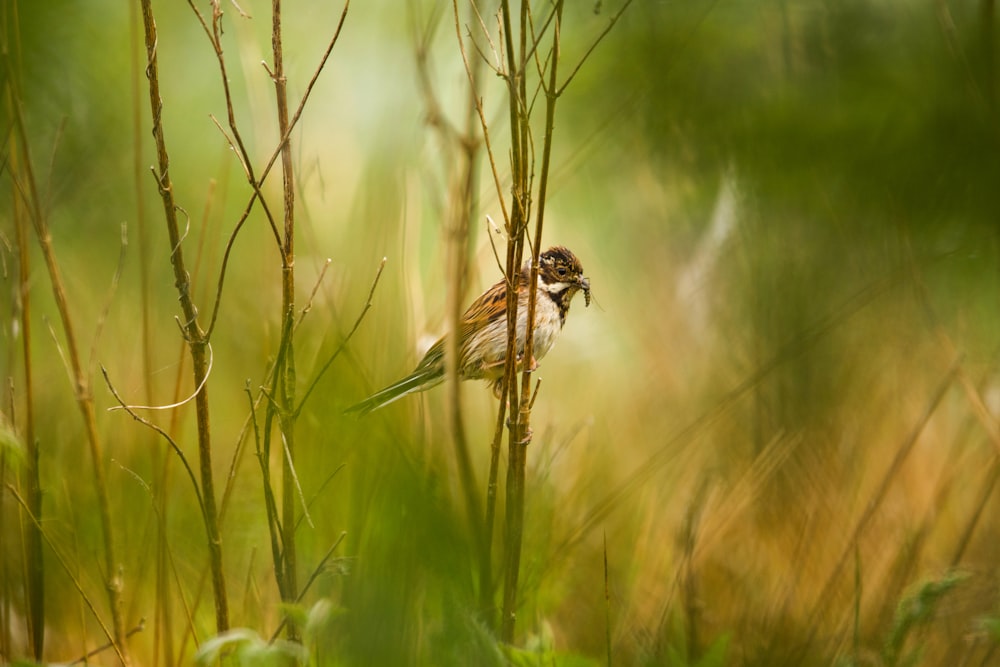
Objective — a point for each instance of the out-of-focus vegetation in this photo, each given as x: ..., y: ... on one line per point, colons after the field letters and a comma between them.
x: 780, y: 416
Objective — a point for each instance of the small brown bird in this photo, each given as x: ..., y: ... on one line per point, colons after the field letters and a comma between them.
x: 483, y: 344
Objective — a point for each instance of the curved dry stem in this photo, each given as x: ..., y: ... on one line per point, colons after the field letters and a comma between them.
x: 171, y: 406
x: 166, y: 436
x: 482, y: 118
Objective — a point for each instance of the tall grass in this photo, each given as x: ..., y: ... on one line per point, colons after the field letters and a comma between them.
x: 773, y: 440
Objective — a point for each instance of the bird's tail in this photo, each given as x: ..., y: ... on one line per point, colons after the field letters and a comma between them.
x: 418, y: 380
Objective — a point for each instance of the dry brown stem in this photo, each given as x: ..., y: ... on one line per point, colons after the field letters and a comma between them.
x: 194, y: 335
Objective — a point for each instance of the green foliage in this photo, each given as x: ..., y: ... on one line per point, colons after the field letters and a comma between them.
x: 244, y: 647
x: 916, y: 609
x: 713, y: 656
x: 677, y: 653
x: 991, y: 626
x: 540, y: 651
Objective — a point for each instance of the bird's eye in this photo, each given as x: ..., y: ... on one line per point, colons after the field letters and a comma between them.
x: 561, y: 271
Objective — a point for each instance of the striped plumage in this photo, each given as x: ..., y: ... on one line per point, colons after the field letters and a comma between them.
x: 483, y: 330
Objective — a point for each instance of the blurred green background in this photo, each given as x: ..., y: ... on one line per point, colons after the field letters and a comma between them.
x: 789, y: 215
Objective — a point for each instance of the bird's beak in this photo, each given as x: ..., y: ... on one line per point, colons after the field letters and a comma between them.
x: 585, y: 285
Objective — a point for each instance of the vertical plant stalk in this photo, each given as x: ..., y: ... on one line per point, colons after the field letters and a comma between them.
x: 513, y: 401
x: 519, y: 432
x: 82, y: 389
x: 285, y: 369
x: 486, y: 566
x: 462, y: 204
x: 34, y: 579
x: 520, y: 196
x: 163, y: 618
x: 195, y: 337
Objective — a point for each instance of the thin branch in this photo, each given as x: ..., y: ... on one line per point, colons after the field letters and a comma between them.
x: 59, y: 351
x: 496, y: 255
x: 139, y: 627
x: 312, y: 578
x: 289, y: 461
x: 347, y: 339
x: 215, y: 38
x: 196, y: 338
x: 103, y: 317
x: 607, y: 29
x: 482, y: 117
x: 312, y: 295
x: 166, y: 436
x: 497, y: 66
x: 270, y: 163
x: 319, y: 491
x: 232, y: 144
x: 270, y: 505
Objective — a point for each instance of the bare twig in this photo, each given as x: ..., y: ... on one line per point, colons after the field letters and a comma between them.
x: 319, y: 491
x: 347, y: 338
x: 267, y: 168
x: 482, y: 117
x: 312, y: 578
x: 196, y: 338
x: 215, y: 38
x: 139, y: 627
x: 166, y: 436
x: 312, y: 295
x: 270, y: 505
x: 102, y: 318
x: 607, y: 29
x: 298, y: 486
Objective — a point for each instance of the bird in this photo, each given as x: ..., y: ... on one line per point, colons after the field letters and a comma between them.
x: 483, y: 329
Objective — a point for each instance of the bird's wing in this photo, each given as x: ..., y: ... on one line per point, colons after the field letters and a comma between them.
x: 490, y: 305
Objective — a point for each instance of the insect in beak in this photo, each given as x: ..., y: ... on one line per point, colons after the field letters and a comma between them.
x: 585, y: 283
